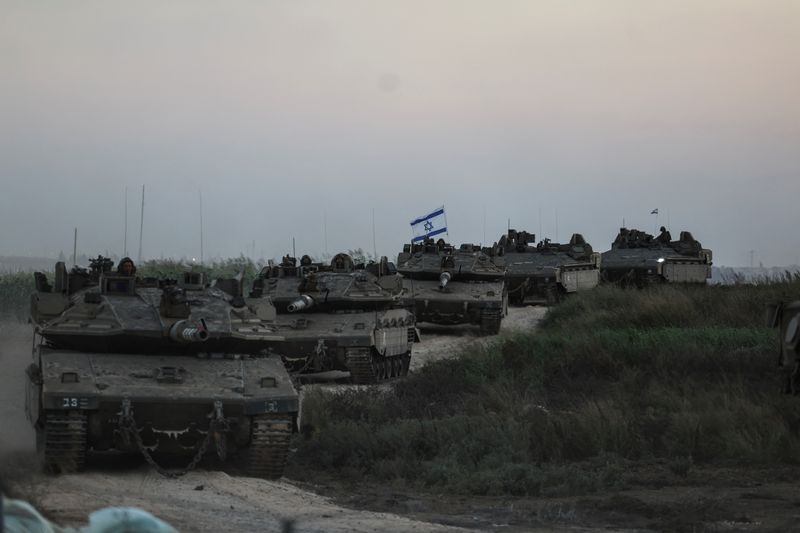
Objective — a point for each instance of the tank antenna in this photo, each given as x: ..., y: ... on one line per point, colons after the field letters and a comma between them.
x: 125, y: 240
x: 374, y: 245
x: 141, y: 228
x: 75, y: 248
x: 484, y: 225
x: 325, y: 229
x: 556, y: 224
x: 540, y: 221
x: 200, y: 200
x: 294, y: 251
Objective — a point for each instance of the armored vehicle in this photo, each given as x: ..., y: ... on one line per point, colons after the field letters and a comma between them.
x: 336, y: 318
x: 453, y: 286
x: 545, y: 271
x: 638, y: 259
x: 786, y: 318
x: 168, y: 368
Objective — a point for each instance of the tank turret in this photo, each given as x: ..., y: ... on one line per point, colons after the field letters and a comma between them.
x: 543, y: 272
x: 160, y: 367
x: 639, y: 259
x: 340, y: 320
x: 446, y: 285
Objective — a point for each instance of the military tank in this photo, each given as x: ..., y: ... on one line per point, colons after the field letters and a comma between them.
x: 166, y: 368
x: 449, y: 286
x: 785, y: 317
x: 543, y: 272
x: 338, y: 319
x: 638, y: 259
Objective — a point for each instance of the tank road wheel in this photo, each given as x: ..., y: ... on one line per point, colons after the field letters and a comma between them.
x: 397, y: 366
x: 649, y: 280
x: 490, y: 321
x: 61, y: 443
x: 269, y: 445
x: 368, y: 367
x: 363, y: 370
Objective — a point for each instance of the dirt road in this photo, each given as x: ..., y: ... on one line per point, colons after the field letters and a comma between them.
x: 201, y: 500
x: 439, y: 342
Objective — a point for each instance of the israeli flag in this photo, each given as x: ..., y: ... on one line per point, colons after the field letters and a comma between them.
x: 429, y: 225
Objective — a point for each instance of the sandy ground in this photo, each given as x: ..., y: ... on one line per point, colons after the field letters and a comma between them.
x: 440, y: 342
x: 202, y: 500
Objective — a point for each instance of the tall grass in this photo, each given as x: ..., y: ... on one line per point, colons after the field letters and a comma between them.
x: 679, y: 375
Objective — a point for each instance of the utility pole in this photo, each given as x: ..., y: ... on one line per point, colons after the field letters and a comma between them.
x: 141, y: 228
x: 752, y: 258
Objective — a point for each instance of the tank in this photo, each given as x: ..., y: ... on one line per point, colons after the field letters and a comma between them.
x: 337, y: 320
x: 544, y: 272
x: 638, y: 259
x: 785, y: 317
x: 453, y: 286
x: 172, y: 369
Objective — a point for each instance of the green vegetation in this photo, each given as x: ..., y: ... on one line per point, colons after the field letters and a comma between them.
x: 15, y: 295
x: 678, y: 376
x: 226, y: 268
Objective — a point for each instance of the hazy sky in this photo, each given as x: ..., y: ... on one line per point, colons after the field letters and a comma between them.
x: 287, y: 114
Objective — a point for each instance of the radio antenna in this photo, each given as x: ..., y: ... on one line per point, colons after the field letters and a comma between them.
x: 200, y: 199
x: 141, y: 228
x: 125, y: 240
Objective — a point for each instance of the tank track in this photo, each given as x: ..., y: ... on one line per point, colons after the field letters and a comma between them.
x: 62, y: 441
x: 269, y: 445
x: 551, y: 295
x: 490, y: 321
x: 368, y: 367
x: 649, y: 280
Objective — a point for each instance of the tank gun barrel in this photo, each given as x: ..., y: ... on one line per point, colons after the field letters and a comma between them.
x: 183, y: 331
x: 444, y: 278
x: 303, y: 302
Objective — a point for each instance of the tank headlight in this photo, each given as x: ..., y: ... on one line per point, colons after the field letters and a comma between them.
x: 660, y: 260
x: 269, y: 383
x: 69, y: 377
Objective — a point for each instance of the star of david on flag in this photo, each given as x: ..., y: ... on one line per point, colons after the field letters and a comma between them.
x: 434, y: 223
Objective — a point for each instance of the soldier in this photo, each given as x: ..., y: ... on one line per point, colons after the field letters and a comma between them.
x: 126, y: 267
x: 664, y: 237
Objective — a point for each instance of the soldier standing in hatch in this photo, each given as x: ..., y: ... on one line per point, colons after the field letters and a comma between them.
x: 664, y: 237
x: 126, y: 267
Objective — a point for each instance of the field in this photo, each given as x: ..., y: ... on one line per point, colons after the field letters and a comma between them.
x: 655, y: 410
x: 618, y: 391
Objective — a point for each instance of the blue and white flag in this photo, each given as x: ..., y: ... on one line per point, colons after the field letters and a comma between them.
x: 434, y: 223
